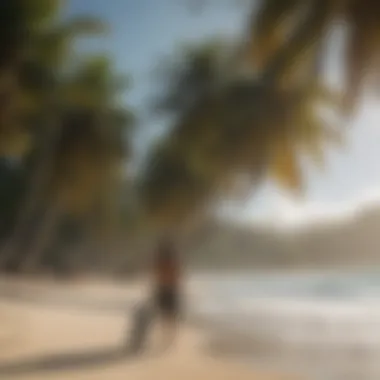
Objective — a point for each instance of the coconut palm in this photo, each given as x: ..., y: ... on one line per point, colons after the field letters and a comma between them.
x: 45, y: 60
x: 309, y: 25
x: 20, y: 20
x: 234, y: 127
x: 90, y: 151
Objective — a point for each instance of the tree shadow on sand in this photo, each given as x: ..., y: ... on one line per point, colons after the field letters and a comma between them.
x: 134, y: 348
x: 100, y: 357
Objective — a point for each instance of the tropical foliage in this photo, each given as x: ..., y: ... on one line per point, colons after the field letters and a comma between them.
x: 63, y: 122
x: 239, y: 112
x: 237, y: 127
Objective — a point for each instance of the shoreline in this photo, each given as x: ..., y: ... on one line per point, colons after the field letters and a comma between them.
x: 208, y: 343
x: 61, y: 342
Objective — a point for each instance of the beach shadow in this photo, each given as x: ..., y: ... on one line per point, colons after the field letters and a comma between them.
x: 72, y: 360
x: 69, y: 300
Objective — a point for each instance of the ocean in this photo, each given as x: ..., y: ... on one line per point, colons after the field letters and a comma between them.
x: 322, y: 325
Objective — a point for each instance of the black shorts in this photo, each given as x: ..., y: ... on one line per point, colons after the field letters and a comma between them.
x: 167, y: 302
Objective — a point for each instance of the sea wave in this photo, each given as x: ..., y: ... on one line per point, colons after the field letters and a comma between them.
x: 321, y: 321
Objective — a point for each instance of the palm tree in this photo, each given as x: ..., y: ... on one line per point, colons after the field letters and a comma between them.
x: 20, y: 21
x: 45, y: 59
x: 193, y: 73
x: 309, y: 25
x: 233, y: 127
x: 90, y: 152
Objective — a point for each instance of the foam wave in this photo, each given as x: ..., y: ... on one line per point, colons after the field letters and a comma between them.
x: 331, y: 323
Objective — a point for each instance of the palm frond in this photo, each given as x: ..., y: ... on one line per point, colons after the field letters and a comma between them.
x: 269, y: 28
x: 284, y: 168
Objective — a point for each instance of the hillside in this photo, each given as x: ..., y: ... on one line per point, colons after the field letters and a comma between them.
x: 354, y: 240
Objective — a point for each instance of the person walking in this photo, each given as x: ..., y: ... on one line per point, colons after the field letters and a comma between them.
x: 167, y: 284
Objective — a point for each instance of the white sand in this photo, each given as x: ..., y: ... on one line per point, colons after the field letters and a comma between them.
x: 45, y: 341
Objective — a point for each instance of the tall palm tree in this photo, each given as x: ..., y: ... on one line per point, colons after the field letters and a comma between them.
x: 90, y: 152
x: 234, y: 126
x: 44, y: 59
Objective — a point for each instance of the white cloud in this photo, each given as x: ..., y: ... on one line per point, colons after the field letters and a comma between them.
x: 292, y: 213
x: 288, y: 213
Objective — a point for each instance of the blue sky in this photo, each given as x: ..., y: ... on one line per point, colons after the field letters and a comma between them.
x: 144, y: 31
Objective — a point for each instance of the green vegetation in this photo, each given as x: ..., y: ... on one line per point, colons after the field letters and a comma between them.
x: 64, y: 124
x: 239, y: 112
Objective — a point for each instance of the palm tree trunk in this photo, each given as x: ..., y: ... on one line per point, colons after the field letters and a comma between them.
x: 38, y: 185
x: 42, y: 240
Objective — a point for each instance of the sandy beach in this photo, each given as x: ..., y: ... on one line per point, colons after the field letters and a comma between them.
x: 46, y: 333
